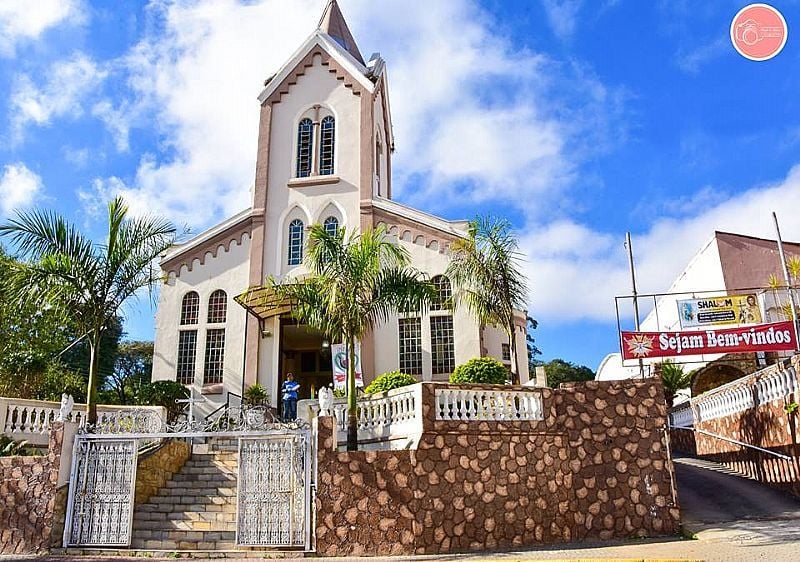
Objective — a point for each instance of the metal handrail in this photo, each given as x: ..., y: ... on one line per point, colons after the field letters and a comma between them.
x: 224, y: 407
x: 729, y: 440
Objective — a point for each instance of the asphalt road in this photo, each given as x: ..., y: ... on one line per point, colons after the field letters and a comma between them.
x: 709, y: 493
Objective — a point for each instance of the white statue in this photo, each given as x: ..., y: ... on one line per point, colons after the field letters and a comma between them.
x: 67, y: 403
x: 325, y: 401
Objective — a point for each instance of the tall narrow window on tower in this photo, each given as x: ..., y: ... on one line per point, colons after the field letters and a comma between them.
x: 326, y: 146
x: 305, y: 147
x: 295, y: 242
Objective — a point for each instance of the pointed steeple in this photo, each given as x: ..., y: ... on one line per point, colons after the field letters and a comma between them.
x: 332, y: 23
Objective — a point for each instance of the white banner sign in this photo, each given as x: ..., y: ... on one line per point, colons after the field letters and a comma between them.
x: 339, y: 358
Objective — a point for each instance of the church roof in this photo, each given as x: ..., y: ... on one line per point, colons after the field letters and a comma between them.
x: 332, y: 23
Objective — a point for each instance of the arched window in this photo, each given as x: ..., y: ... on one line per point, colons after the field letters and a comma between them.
x: 217, y: 307
x: 331, y: 225
x: 326, y: 146
x: 190, y: 308
x: 305, y: 147
x: 296, y: 234
x: 444, y: 293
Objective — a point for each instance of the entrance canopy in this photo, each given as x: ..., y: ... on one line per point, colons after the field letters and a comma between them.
x: 263, y: 302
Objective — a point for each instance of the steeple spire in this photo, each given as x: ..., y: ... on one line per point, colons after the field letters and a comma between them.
x: 332, y: 23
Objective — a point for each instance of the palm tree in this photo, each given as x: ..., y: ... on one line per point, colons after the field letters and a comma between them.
x: 354, y: 283
x: 485, y: 270
x: 674, y: 379
x: 777, y: 283
x: 82, y: 280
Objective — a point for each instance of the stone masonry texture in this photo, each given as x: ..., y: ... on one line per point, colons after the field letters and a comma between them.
x: 769, y: 426
x: 154, y: 470
x: 596, y: 467
x: 28, y: 498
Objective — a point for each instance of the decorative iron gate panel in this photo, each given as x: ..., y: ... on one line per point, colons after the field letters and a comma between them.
x: 100, y: 509
x: 275, y: 490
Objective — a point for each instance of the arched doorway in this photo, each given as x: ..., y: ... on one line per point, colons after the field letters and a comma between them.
x: 714, y: 375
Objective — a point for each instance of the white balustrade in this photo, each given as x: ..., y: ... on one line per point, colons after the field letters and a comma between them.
x: 746, y: 393
x: 394, y: 414
x: 488, y: 405
x: 30, y: 420
x: 682, y: 416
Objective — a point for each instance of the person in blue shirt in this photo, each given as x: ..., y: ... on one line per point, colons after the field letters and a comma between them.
x: 289, y: 391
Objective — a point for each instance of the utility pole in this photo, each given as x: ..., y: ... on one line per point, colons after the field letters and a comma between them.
x: 786, y: 276
x: 629, y: 246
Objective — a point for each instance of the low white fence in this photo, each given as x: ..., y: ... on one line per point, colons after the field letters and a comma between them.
x: 762, y: 387
x: 392, y: 415
x: 454, y: 404
x: 30, y: 420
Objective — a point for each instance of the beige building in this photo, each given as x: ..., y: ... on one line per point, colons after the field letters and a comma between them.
x: 325, y: 148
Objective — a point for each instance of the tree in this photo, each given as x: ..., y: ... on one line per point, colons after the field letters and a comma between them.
x: 133, y: 368
x: 559, y: 371
x: 485, y: 270
x: 674, y: 379
x: 81, y: 280
x: 31, y: 338
x: 530, y: 343
x: 778, y: 283
x: 354, y: 283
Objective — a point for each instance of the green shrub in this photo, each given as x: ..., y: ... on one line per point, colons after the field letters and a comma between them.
x: 11, y: 448
x: 163, y: 393
x: 256, y: 395
x: 388, y: 381
x: 480, y: 370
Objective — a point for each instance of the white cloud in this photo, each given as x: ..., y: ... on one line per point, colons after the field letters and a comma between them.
x: 562, y: 15
x: 61, y: 94
x: 22, y: 20
x: 693, y: 60
x: 576, y: 271
x: 116, y: 120
x: 19, y: 188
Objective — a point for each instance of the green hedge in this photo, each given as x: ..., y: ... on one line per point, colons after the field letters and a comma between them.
x: 480, y: 370
x: 388, y: 381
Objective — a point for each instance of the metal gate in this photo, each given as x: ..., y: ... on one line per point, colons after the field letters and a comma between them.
x: 275, y: 490
x: 100, y: 505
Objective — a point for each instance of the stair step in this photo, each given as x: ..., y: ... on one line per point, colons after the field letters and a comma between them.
x: 156, y: 529
x: 164, y: 517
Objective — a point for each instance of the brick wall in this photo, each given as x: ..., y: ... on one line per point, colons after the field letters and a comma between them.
x: 596, y: 467
x: 28, y: 498
x: 156, y: 468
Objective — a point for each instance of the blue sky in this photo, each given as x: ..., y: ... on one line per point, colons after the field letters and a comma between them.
x: 579, y: 120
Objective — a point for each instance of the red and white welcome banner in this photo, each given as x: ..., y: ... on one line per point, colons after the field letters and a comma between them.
x: 778, y: 336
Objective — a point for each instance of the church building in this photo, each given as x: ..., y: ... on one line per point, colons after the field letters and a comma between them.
x: 324, y: 157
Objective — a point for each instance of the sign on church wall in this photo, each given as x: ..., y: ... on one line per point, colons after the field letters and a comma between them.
x: 715, y: 311
x: 339, y: 358
x: 777, y: 336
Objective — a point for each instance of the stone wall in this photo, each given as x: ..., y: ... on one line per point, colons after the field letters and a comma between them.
x: 768, y: 426
x: 28, y: 498
x: 597, y: 467
x: 154, y: 469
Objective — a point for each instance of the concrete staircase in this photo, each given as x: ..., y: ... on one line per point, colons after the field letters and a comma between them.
x: 196, y: 510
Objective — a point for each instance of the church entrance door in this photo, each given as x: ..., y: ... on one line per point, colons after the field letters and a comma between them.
x: 306, y: 353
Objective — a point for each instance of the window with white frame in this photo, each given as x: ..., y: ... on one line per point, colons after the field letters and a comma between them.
x: 305, y: 147
x: 506, y: 352
x: 217, y: 307
x: 295, y: 246
x: 410, y: 338
x: 443, y: 356
x: 187, y: 352
x: 215, y: 356
x: 444, y: 293
x: 331, y: 225
x: 326, y: 145
x: 190, y: 308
